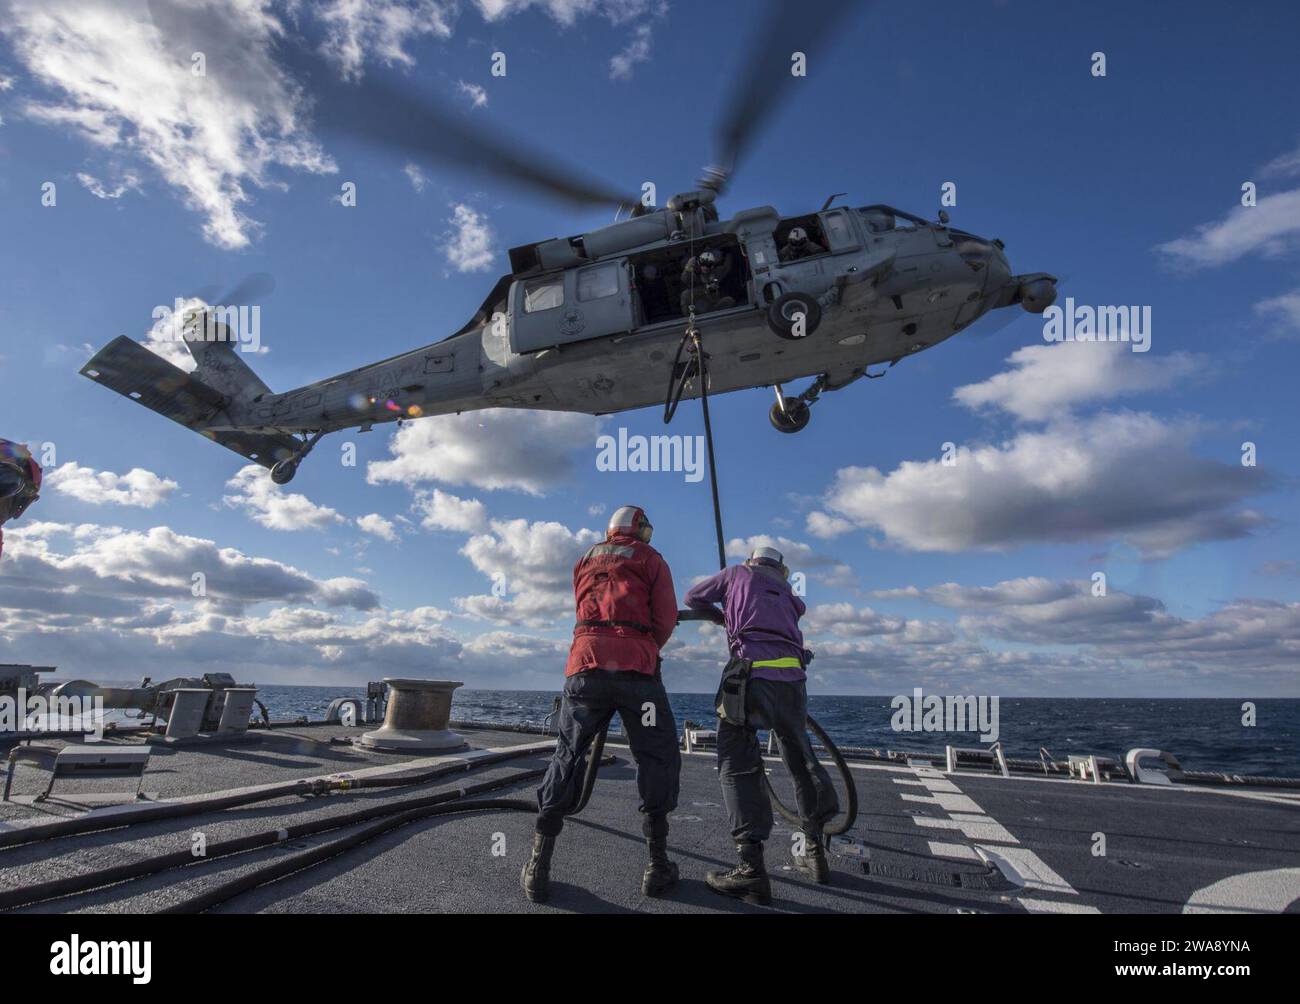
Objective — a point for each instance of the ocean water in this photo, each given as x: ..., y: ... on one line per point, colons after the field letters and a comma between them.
x: 1205, y: 734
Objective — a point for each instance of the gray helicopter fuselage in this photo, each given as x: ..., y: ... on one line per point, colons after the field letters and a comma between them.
x: 571, y: 338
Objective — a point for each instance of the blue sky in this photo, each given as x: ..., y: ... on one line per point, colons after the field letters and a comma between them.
x: 1077, y: 459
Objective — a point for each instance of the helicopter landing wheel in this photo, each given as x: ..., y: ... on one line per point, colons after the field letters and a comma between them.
x: 784, y: 316
x: 283, y: 472
x: 792, y: 418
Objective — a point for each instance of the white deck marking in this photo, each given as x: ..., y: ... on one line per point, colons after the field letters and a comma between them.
x: 963, y: 852
x: 1054, y: 906
x: 983, y: 828
x: 1026, y: 869
x: 936, y: 823
x: 1248, y: 892
x: 1018, y: 863
x: 949, y: 803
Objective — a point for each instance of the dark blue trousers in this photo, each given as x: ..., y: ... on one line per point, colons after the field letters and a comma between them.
x: 589, y: 702
x: 783, y: 708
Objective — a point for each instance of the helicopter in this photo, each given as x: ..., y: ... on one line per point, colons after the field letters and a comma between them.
x: 590, y: 322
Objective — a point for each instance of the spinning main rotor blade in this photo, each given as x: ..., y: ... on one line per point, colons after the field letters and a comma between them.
x: 390, y: 113
x: 254, y: 287
x: 791, y: 26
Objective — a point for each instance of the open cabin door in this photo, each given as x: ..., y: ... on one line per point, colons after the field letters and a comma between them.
x: 570, y: 306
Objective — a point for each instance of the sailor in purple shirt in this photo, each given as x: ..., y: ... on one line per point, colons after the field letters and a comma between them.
x: 762, y: 614
x: 762, y: 622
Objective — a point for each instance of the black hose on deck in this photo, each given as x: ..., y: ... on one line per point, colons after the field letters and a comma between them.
x: 70, y: 885
x: 42, y: 891
x: 851, y: 810
x: 834, y: 826
x: 93, y: 822
x: 394, y: 817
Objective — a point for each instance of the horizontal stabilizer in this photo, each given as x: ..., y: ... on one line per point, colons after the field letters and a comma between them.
x: 126, y: 366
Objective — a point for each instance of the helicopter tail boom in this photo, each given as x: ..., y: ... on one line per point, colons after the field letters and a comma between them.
x: 130, y: 369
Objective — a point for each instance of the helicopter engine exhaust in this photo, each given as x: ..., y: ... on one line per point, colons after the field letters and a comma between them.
x: 1038, y: 295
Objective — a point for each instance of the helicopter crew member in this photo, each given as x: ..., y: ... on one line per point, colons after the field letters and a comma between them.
x: 20, y: 482
x: 764, y: 687
x: 799, y: 245
x: 708, y: 269
x: 626, y: 612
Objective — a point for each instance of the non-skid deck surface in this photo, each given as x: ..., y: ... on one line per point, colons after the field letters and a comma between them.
x: 924, y: 842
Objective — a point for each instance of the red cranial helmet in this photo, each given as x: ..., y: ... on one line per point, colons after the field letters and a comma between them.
x: 630, y: 520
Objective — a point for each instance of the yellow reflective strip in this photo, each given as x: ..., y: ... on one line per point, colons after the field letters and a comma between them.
x: 789, y: 662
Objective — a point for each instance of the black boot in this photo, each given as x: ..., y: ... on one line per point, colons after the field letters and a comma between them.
x: 812, y: 862
x: 660, y: 874
x: 748, y: 881
x: 536, y: 876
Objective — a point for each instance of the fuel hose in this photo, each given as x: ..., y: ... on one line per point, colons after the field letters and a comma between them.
x: 381, y: 819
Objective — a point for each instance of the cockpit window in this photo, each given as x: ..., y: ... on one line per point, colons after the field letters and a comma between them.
x: 838, y: 230
x: 880, y: 221
x: 543, y: 294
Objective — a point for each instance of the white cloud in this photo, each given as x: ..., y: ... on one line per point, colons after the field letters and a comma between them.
x: 469, y: 242
x: 269, y: 505
x: 475, y: 92
x: 1286, y: 164
x: 129, y: 183
x: 378, y: 526
x: 528, y: 451
x: 1045, y: 381
x: 418, y: 177
x: 105, y: 571
x: 1285, y: 307
x: 165, y: 337
x: 567, y: 12
x: 1012, y: 592
x: 122, y: 602
x: 1119, y: 476
x: 120, y: 75
x: 125, y: 83
x: 799, y: 557
x: 1268, y: 228
x: 530, y: 566
x: 444, y: 511
x: 359, y: 29
x: 137, y: 487
x: 637, y: 51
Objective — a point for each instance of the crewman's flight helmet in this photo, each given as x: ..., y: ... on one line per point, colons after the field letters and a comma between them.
x: 630, y: 520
